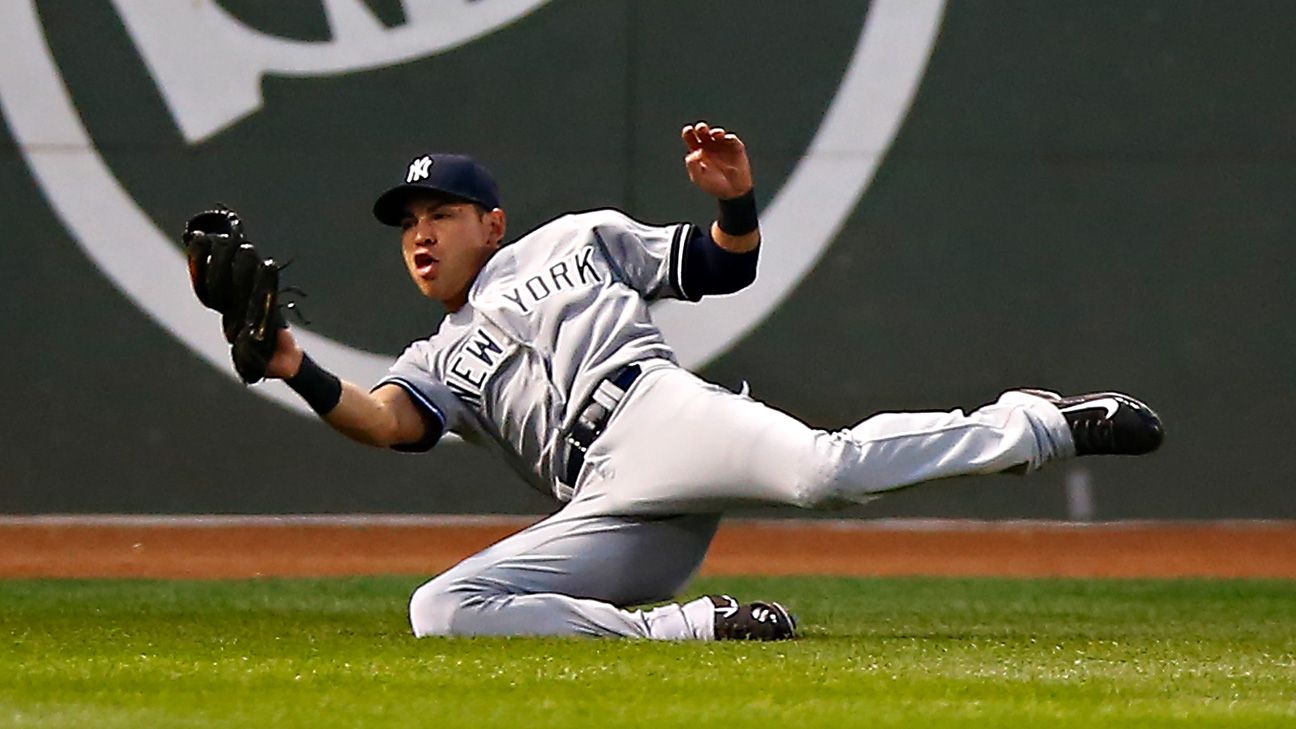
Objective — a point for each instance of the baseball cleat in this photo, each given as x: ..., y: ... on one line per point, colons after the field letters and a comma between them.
x: 751, y: 621
x: 1107, y: 423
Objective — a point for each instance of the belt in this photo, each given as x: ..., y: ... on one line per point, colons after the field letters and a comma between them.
x: 594, y: 417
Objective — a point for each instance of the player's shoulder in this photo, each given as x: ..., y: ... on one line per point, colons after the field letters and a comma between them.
x: 450, y: 329
x: 574, y: 222
x: 597, y: 218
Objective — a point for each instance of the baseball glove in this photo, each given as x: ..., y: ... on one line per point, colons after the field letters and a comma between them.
x: 229, y: 276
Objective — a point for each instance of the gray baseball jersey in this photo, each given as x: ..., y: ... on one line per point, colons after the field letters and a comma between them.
x: 549, y: 317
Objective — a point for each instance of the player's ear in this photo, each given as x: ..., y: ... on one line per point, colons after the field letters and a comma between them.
x: 497, y: 223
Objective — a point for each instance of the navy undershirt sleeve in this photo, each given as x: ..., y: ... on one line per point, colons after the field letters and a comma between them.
x: 709, y: 269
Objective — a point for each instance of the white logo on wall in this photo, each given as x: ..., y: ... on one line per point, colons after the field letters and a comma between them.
x: 209, y: 86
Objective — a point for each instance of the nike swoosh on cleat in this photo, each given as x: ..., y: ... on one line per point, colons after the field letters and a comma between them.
x: 728, y: 611
x: 1107, y: 403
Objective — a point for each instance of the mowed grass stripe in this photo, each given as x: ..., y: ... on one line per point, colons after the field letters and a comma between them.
x: 877, y: 652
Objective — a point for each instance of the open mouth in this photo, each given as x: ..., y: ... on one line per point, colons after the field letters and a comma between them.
x: 424, y: 263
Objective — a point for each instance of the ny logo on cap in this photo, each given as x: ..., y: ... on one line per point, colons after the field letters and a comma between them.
x: 418, y: 169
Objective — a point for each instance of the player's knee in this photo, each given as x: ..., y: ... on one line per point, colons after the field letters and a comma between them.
x: 830, y: 475
x: 821, y: 488
x: 817, y: 494
x: 433, y: 608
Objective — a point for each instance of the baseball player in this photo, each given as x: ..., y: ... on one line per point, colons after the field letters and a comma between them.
x: 548, y: 355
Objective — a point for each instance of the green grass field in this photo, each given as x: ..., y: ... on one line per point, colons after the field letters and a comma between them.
x: 877, y: 652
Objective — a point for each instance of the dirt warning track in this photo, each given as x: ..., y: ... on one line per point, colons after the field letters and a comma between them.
x: 303, y: 546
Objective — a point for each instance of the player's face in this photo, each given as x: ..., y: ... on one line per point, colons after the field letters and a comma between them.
x: 446, y: 243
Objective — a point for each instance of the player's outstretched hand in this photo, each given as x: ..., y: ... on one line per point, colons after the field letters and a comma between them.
x: 716, y: 161
x: 287, y: 357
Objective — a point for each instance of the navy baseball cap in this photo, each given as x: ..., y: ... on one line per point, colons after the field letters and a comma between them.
x: 456, y: 175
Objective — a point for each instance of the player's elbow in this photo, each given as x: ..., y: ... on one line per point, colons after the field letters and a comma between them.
x: 710, y: 269
x: 384, y: 435
x: 394, y: 437
x: 737, y: 277
x: 372, y: 426
x: 388, y: 418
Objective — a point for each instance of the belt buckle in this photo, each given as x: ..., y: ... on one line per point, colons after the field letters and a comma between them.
x: 593, y: 419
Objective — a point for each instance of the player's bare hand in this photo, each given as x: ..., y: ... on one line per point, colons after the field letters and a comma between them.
x: 716, y: 160
x: 287, y: 357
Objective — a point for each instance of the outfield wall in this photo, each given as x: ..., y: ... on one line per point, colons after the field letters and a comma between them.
x: 1079, y: 196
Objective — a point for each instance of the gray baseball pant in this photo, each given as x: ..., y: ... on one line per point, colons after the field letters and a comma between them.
x: 677, y: 452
